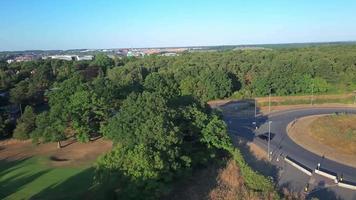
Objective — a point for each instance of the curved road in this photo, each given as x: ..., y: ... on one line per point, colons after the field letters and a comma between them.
x: 281, y: 144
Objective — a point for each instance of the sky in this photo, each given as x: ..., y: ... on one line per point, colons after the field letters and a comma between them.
x: 82, y: 24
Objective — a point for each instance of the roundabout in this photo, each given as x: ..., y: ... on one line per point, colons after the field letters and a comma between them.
x: 282, y: 145
x: 333, y: 135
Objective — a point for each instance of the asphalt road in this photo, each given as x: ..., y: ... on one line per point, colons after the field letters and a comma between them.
x: 281, y: 145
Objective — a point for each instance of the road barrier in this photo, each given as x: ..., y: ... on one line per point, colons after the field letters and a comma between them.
x: 299, y: 166
x: 347, y: 184
x: 326, y: 173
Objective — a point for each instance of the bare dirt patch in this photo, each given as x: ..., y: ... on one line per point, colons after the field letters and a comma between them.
x: 74, y: 154
x: 321, y: 143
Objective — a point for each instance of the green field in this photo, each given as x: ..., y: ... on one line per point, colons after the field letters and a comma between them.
x: 32, y: 178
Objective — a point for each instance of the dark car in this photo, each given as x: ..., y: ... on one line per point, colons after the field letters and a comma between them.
x: 264, y: 136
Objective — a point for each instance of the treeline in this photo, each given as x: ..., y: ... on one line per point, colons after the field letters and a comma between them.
x: 154, y: 108
x: 257, y: 72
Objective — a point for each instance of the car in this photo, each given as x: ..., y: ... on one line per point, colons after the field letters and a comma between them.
x: 264, y: 136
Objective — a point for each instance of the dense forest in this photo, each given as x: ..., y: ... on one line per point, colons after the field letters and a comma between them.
x: 154, y: 108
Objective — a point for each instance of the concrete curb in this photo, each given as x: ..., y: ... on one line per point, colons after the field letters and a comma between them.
x: 327, y: 174
x: 346, y: 184
x: 299, y: 166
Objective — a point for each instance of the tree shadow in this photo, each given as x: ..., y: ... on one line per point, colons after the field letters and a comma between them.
x: 242, y: 119
x: 16, y: 182
x: 198, y: 184
x: 324, y: 194
x: 79, y: 186
x: 260, y: 165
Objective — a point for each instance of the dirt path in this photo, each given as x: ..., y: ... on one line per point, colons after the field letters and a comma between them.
x: 74, y: 154
x: 299, y: 132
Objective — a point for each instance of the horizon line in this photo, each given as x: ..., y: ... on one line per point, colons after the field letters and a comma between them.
x: 194, y: 46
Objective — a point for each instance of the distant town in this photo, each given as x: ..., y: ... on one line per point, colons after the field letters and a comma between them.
x: 88, y: 54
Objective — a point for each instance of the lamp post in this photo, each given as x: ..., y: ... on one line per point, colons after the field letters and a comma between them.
x: 255, y: 108
x: 269, y: 139
x: 312, y: 96
x: 269, y: 102
x: 255, y: 122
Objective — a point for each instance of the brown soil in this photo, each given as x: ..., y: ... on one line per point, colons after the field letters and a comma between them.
x: 299, y: 131
x: 72, y: 154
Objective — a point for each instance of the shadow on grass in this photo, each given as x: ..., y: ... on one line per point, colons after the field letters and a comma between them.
x: 22, y: 174
x: 79, y: 186
x: 15, y: 181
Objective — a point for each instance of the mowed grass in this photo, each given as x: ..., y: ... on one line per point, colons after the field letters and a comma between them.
x: 336, y: 131
x: 33, y: 178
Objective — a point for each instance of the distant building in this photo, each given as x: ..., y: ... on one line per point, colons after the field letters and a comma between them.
x: 60, y: 57
x: 69, y: 57
x: 170, y: 54
x: 24, y: 58
x: 135, y: 53
x: 89, y: 57
x: 9, y: 61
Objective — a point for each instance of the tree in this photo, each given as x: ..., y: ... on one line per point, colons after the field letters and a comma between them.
x: 146, y: 142
x: 25, y: 124
x: 2, y: 127
x: 59, y: 96
x: 19, y: 94
x: 127, y: 79
x: 320, y: 85
x: 164, y: 85
x: 210, y: 84
x: 215, y: 134
x: 102, y: 61
x: 87, y: 111
x: 48, y: 129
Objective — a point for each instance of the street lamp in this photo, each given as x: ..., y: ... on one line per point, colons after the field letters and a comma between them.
x: 255, y: 108
x: 269, y: 102
x: 312, y: 96
x: 269, y: 139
